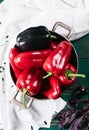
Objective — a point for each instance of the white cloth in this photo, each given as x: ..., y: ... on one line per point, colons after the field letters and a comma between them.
x: 16, y: 16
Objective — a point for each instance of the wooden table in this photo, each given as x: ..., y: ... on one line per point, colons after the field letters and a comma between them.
x: 82, y: 47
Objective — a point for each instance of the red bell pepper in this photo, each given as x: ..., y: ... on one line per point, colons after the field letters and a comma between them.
x: 30, y: 81
x: 12, y: 54
x: 51, y: 89
x: 57, y: 59
x: 53, y: 45
x: 68, y: 77
x: 30, y: 59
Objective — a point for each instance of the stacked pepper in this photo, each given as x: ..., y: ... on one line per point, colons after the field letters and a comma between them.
x: 12, y: 54
x: 42, y: 69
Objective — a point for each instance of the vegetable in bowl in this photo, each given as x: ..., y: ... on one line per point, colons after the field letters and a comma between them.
x: 34, y: 59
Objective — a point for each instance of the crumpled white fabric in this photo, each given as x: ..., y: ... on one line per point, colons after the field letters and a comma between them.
x: 15, y: 16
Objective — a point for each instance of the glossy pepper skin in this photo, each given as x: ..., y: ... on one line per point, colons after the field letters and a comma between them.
x: 58, y: 58
x: 34, y: 38
x: 53, y: 45
x: 12, y: 54
x: 31, y: 80
x: 64, y: 78
x: 52, y: 89
x: 27, y: 60
x: 68, y: 77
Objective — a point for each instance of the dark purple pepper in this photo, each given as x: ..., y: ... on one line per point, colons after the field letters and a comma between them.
x: 34, y: 38
x: 80, y: 91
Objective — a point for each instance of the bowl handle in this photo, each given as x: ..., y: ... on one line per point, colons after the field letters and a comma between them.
x: 20, y: 104
x: 68, y: 28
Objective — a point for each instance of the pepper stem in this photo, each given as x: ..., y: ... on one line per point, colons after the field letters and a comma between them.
x: 24, y: 97
x: 53, y: 36
x: 76, y: 75
x: 70, y: 74
x: 46, y: 76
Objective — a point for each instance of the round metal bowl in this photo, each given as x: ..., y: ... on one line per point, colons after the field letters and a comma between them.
x: 73, y: 58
